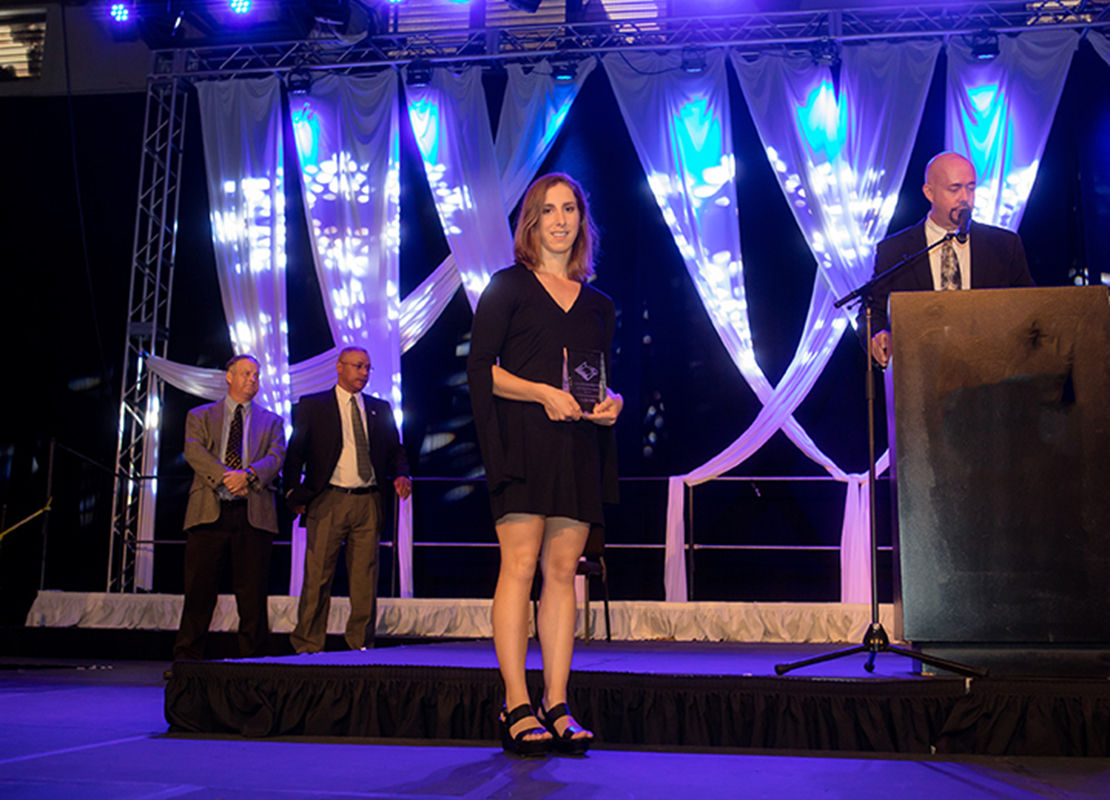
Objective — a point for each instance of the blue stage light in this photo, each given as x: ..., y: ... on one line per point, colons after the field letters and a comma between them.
x: 120, y: 12
x: 240, y: 6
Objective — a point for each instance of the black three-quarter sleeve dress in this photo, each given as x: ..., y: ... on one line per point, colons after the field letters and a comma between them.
x: 534, y: 465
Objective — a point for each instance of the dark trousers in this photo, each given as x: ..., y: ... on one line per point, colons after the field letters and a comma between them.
x: 332, y: 519
x: 206, y: 551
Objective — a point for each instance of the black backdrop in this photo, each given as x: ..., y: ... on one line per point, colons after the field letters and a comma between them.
x: 63, y: 333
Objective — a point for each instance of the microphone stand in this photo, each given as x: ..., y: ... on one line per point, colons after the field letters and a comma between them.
x: 876, y: 641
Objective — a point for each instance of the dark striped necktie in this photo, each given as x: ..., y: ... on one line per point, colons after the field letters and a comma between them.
x: 234, y: 455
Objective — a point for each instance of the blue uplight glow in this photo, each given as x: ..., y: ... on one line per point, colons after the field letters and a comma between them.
x: 240, y: 6
x: 820, y: 121
x: 120, y: 12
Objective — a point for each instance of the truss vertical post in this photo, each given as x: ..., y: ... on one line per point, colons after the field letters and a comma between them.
x: 130, y: 554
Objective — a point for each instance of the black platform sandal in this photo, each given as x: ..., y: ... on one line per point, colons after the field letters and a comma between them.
x: 565, y: 743
x: 518, y: 745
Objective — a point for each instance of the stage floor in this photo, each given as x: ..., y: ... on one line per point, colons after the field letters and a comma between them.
x: 657, y: 694
x: 94, y: 729
x: 726, y: 659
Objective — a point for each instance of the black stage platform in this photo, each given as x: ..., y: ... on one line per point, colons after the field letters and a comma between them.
x: 657, y: 694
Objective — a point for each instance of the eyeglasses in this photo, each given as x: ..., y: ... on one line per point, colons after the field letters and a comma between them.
x: 359, y: 367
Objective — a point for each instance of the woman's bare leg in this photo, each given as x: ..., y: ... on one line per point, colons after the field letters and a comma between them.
x: 520, y: 537
x: 563, y: 542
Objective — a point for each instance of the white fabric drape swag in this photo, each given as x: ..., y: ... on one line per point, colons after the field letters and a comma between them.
x: 348, y: 147
x: 346, y: 133
x: 674, y: 125
x: 840, y: 158
x: 244, y: 151
x: 1101, y: 43
x: 840, y: 155
x: 999, y: 114
x: 451, y: 126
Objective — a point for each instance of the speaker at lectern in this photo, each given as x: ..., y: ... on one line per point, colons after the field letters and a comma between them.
x: 998, y: 412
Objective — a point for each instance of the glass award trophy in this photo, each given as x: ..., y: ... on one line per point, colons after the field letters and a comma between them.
x: 584, y: 376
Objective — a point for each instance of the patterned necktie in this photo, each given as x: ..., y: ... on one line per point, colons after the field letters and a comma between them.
x: 949, y: 267
x: 362, y: 444
x: 234, y: 455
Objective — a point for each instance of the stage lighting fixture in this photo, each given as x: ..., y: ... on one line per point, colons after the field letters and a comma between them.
x: 123, y: 21
x: 564, y: 71
x: 984, y: 45
x: 418, y: 73
x: 239, y: 6
x: 331, y: 12
x: 693, y: 60
x: 528, y: 6
x: 298, y: 81
x: 826, y: 53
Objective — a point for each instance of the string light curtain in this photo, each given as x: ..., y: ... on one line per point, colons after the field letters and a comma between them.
x: 451, y: 125
x: 680, y: 125
x: 243, y: 152
x: 342, y: 135
x: 840, y: 158
x: 348, y: 146
x: 533, y: 110
x: 663, y: 109
x: 999, y: 114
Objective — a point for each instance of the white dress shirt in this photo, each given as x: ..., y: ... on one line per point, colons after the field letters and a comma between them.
x: 346, y: 470
x: 934, y: 233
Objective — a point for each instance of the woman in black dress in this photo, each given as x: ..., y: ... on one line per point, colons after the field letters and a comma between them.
x: 549, y: 464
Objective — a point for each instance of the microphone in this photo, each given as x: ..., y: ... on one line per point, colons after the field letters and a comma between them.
x: 965, y: 225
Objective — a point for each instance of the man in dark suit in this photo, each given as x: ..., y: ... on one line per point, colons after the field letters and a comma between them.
x: 236, y: 448
x: 991, y: 258
x: 348, y: 446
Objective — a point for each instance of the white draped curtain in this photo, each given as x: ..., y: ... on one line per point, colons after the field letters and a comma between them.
x: 532, y: 114
x: 1000, y: 111
x: 243, y: 158
x: 348, y: 146
x: 840, y: 157
x: 451, y: 126
x: 839, y: 152
x: 346, y: 133
x: 821, y: 147
x: 1101, y: 43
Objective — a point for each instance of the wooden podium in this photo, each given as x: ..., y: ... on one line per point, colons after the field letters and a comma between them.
x: 998, y: 408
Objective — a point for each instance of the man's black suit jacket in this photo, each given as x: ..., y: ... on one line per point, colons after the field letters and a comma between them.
x: 997, y: 261
x: 318, y: 440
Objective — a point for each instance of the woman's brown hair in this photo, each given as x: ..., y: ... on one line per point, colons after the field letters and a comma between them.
x: 526, y: 240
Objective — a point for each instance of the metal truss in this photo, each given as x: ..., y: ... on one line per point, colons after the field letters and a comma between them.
x: 530, y: 43
x: 130, y: 565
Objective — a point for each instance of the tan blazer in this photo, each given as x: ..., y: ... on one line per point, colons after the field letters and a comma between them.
x: 265, y: 455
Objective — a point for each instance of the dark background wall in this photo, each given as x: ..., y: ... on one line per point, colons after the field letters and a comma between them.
x: 71, y: 169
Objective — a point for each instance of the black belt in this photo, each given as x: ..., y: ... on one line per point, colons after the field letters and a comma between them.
x: 234, y: 501
x: 358, y: 490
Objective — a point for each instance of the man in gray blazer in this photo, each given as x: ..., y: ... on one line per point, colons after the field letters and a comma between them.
x: 990, y: 258
x: 236, y: 448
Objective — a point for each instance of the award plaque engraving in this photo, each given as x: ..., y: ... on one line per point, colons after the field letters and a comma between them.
x: 584, y: 376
